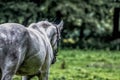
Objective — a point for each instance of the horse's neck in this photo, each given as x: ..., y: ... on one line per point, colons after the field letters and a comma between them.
x: 41, y: 31
x: 44, y: 32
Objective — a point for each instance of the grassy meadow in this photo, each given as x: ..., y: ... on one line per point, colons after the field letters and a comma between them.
x: 85, y: 65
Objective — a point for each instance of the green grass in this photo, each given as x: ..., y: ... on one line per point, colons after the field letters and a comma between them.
x: 85, y: 65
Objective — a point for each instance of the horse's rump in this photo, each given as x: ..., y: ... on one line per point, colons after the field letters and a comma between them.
x: 13, y: 44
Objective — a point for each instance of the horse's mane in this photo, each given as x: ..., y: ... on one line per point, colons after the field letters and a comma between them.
x: 38, y: 27
x: 44, y: 24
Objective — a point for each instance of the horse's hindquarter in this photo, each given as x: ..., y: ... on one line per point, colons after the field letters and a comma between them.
x: 21, y: 48
x: 36, y: 54
x: 13, y: 45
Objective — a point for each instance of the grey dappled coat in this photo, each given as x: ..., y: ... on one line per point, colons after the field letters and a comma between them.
x: 27, y: 51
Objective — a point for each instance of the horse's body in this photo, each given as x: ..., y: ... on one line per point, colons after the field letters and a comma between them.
x: 25, y: 51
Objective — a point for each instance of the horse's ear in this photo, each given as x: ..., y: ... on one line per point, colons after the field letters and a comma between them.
x: 60, y: 25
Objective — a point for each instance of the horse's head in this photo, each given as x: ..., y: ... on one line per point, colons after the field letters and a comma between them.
x: 53, y: 33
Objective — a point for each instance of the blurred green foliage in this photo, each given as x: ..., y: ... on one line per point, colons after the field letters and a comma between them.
x: 87, y: 23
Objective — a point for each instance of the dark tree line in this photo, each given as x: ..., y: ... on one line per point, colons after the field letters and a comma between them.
x: 88, y: 23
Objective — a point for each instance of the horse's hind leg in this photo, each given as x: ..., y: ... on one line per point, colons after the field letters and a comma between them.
x: 8, y: 70
x: 10, y: 66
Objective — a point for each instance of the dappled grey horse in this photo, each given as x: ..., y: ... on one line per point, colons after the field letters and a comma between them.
x: 28, y: 51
